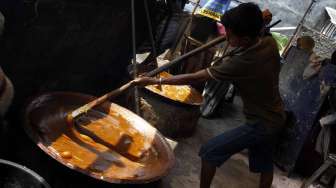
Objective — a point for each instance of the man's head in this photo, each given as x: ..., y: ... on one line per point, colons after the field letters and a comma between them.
x: 306, y: 43
x: 243, y: 24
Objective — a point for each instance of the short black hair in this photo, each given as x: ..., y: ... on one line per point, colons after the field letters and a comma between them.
x: 244, y: 20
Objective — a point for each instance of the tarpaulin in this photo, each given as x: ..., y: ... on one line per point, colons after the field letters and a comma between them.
x: 304, y: 99
x: 214, y: 9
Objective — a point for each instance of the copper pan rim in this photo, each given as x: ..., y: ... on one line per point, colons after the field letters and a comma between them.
x: 38, y: 141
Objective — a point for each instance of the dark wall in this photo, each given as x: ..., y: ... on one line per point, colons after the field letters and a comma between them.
x: 70, y: 45
x: 63, y: 45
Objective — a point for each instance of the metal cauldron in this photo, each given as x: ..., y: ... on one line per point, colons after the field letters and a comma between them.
x: 13, y: 175
x: 173, y: 117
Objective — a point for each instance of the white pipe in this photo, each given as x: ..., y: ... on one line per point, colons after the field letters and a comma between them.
x: 283, y: 28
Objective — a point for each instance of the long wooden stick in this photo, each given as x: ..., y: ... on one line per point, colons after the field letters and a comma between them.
x: 186, y: 31
x: 135, y: 67
x: 100, y: 100
x: 150, y: 32
x: 298, y: 28
x: 85, y: 108
x: 186, y: 55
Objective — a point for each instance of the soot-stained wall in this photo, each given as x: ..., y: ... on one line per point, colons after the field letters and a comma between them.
x: 71, y: 45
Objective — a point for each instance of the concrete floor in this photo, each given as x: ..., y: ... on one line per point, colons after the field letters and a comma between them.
x: 234, y: 173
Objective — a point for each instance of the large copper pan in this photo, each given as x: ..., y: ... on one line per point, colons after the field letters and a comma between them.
x: 111, y: 143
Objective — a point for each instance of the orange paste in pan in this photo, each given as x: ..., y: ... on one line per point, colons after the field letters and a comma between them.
x: 103, y: 143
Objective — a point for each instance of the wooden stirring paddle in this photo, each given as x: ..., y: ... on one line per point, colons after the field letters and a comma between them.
x: 85, y: 108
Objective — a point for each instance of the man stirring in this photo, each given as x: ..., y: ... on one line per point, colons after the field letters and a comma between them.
x: 254, y: 70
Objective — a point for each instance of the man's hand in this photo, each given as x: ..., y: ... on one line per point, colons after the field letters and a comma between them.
x: 182, y: 79
x: 145, y: 81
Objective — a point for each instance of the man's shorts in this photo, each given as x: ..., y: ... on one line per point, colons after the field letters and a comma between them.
x: 252, y: 137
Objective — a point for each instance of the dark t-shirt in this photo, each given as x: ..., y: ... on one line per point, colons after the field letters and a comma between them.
x: 255, y: 72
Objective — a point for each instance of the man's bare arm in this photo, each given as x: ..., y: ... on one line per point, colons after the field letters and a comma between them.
x: 183, y: 79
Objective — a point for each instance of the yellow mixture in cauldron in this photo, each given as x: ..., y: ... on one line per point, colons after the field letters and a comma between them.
x: 184, y: 94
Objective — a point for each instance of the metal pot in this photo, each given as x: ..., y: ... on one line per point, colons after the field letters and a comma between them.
x: 173, y: 117
x: 13, y: 175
